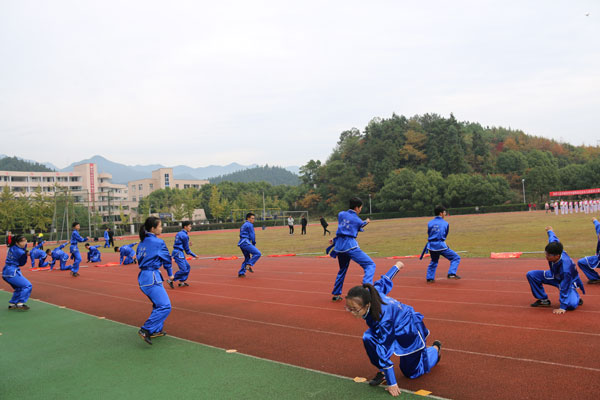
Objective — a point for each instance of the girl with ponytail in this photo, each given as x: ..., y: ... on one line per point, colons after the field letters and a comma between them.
x: 11, y: 273
x: 394, y: 329
x: 152, y: 253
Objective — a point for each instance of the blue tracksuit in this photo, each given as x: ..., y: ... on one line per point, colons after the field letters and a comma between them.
x: 400, y: 332
x: 345, y: 248
x: 181, y: 247
x: 127, y: 254
x: 563, y: 275
x: 94, y: 254
x: 11, y: 273
x: 59, y: 254
x: 437, y: 231
x: 75, y: 255
x: 589, y: 264
x: 106, y: 239
x: 38, y: 254
x: 246, y: 244
x: 152, y: 253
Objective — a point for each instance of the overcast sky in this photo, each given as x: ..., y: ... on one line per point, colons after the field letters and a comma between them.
x: 215, y: 82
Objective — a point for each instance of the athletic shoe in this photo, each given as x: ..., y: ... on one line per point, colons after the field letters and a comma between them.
x: 541, y: 303
x: 241, y: 275
x: 135, y: 260
x: 378, y: 379
x: 249, y: 268
x: 337, y: 297
x: 453, y: 276
x: 158, y: 334
x: 170, y: 283
x: 22, y: 307
x: 75, y: 274
x: 439, y: 346
x: 580, y: 302
x: 430, y: 280
x: 594, y: 282
x: 145, y: 335
x: 183, y: 284
x: 12, y: 306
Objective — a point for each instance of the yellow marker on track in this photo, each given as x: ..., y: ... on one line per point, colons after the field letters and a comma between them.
x: 423, y: 392
x: 360, y: 379
x: 231, y: 351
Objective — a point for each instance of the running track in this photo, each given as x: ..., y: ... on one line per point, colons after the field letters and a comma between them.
x: 494, y: 344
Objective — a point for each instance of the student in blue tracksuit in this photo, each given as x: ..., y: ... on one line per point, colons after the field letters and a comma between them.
x: 589, y: 264
x: 246, y: 243
x: 153, y: 253
x: 59, y: 255
x: 437, y: 231
x: 93, y: 254
x: 106, y: 238
x: 394, y: 329
x: 181, y: 247
x: 37, y: 253
x: 127, y: 254
x: 11, y: 273
x: 345, y: 247
x: 562, y: 274
x: 75, y: 255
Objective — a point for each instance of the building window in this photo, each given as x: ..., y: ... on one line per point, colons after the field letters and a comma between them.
x: 151, y: 186
x: 140, y: 186
x: 62, y: 179
x: 134, y: 198
x: 167, y: 184
x: 18, y: 179
x: 141, y: 198
x: 177, y: 185
x: 74, y: 179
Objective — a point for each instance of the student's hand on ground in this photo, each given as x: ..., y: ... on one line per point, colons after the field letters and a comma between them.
x: 172, y: 277
x: 548, y: 228
x: 330, y: 241
x: 559, y: 311
x: 394, y: 390
x: 400, y: 264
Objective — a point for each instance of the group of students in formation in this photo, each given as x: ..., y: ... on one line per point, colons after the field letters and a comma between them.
x: 569, y: 207
x: 369, y: 301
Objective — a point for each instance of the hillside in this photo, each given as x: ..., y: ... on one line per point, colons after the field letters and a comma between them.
x: 273, y: 175
x: 17, y: 164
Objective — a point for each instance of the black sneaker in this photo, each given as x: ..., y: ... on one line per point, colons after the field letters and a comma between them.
x: 135, y: 260
x: 12, y: 306
x: 337, y: 297
x: 158, y: 334
x: 541, y: 303
x: 75, y: 274
x: 594, y: 282
x: 430, y: 280
x: 170, y: 283
x: 378, y: 379
x: 183, y: 284
x: 580, y: 302
x: 145, y: 335
x: 453, y: 276
x: 439, y: 346
x: 22, y: 307
x: 249, y: 269
x: 241, y: 275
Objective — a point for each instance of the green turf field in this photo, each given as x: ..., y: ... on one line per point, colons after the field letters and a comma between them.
x: 56, y: 353
x: 479, y: 235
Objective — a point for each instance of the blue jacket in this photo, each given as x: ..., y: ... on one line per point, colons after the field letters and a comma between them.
x: 152, y: 253
x: 247, y: 234
x: 106, y: 237
x: 597, y: 226
x: 59, y: 254
x: 127, y: 251
x: 15, y: 258
x: 349, y: 224
x: 437, y: 231
x: 182, y: 244
x: 37, y: 252
x: 75, y: 239
x: 400, y: 331
x: 93, y: 251
x: 565, y: 272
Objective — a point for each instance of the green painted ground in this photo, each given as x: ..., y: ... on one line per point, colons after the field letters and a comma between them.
x: 53, y: 353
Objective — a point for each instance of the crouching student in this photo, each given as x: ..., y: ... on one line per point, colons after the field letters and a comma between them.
x: 153, y: 253
x: 589, y: 264
x: 38, y: 254
x: 11, y: 273
x: 93, y: 253
x: 127, y: 254
x: 562, y: 274
x: 59, y: 255
x: 394, y: 329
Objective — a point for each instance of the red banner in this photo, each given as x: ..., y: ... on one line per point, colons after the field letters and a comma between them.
x: 574, y: 192
x: 92, y: 183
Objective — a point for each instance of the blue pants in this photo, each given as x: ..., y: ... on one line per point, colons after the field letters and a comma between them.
x: 63, y: 263
x: 128, y: 260
x: 161, y: 307
x: 537, y: 280
x: 184, y: 269
x: 251, y: 256
x: 588, y: 266
x: 412, y: 365
x: 359, y: 257
x: 41, y: 263
x: 435, y: 257
x: 76, y: 256
x: 94, y: 259
x: 106, y: 244
x: 22, y: 288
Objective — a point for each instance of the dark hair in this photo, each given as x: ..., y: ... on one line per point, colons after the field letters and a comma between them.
x: 116, y: 248
x: 554, y: 248
x: 368, y: 295
x: 355, y: 202
x: 438, y: 210
x: 185, y: 223
x: 48, y: 251
x: 249, y: 215
x: 87, y: 245
x: 74, y: 224
x: 151, y: 222
x: 16, y: 239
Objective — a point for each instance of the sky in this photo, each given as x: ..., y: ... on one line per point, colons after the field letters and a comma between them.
x: 276, y: 82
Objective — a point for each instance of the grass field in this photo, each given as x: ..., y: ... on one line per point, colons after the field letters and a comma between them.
x: 478, y: 235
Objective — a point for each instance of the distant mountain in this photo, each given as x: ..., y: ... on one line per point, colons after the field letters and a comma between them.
x: 272, y: 175
x: 18, y: 164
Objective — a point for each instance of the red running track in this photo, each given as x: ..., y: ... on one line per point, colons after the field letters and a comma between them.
x: 494, y: 345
